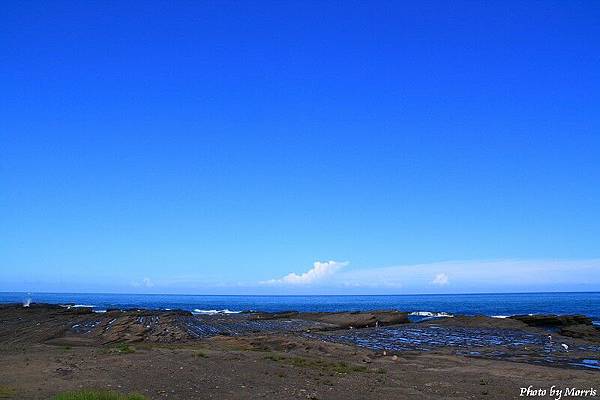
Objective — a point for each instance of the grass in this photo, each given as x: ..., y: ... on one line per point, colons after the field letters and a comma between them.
x: 274, y: 357
x: 325, y: 366
x: 97, y: 395
x: 124, y: 348
x: 6, y: 392
x: 199, y: 353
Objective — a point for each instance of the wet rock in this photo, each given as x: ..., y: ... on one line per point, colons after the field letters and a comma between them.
x: 275, y: 315
x: 478, y: 321
x: 581, y: 331
x: 81, y: 310
x: 553, y: 320
x: 340, y: 320
x: 358, y: 319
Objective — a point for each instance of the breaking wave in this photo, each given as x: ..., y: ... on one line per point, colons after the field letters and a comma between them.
x: 213, y: 312
x: 431, y: 314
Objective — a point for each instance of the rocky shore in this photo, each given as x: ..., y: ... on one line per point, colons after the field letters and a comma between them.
x: 76, y: 347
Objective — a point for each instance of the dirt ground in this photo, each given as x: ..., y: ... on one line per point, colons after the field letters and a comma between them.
x: 269, y: 366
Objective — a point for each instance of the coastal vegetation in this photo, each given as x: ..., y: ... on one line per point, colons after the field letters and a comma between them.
x: 124, y: 348
x: 6, y: 392
x: 97, y: 395
x: 199, y: 353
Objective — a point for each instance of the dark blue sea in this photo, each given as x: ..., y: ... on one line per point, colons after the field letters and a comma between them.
x: 469, y: 304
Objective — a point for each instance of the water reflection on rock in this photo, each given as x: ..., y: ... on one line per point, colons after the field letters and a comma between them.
x: 508, y: 344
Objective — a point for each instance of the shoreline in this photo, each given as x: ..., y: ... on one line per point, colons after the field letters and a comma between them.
x: 371, y: 329
x: 287, y: 355
x: 467, y: 304
x: 224, y: 311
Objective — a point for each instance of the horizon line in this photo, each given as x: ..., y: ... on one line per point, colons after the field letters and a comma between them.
x: 303, y: 295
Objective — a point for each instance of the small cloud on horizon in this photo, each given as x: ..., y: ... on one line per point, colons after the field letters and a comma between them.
x: 462, y: 276
x: 467, y: 276
x: 478, y: 275
x: 440, y: 279
x: 319, y: 272
x: 145, y: 283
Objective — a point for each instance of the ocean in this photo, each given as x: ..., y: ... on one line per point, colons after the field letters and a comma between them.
x: 497, y: 305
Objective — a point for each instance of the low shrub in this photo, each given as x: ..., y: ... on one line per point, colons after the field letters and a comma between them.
x: 97, y: 395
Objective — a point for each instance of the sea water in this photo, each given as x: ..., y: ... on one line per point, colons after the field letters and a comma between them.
x: 496, y: 305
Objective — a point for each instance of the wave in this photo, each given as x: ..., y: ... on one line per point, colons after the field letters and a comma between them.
x: 77, y: 306
x: 500, y: 316
x: 431, y: 314
x: 213, y: 312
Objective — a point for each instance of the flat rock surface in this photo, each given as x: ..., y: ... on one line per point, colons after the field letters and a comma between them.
x: 342, y: 319
x: 174, y: 354
x: 553, y: 320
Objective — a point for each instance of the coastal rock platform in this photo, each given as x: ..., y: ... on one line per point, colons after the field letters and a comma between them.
x: 380, y: 354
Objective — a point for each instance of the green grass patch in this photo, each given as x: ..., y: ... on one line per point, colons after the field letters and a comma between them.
x: 199, y: 353
x: 6, y: 392
x: 97, y: 395
x: 274, y: 357
x: 124, y: 348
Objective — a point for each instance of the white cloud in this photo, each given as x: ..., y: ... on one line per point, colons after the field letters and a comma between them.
x: 146, y: 282
x: 477, y: 275
x: 440, y: 279
x: 319, y: 272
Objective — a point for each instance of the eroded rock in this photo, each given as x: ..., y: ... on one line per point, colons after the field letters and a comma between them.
x: 552, y: 320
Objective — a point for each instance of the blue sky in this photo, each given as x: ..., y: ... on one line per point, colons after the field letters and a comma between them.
x: 364, y: 147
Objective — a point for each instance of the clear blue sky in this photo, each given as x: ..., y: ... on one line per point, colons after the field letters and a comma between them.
x: 216, y: 147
